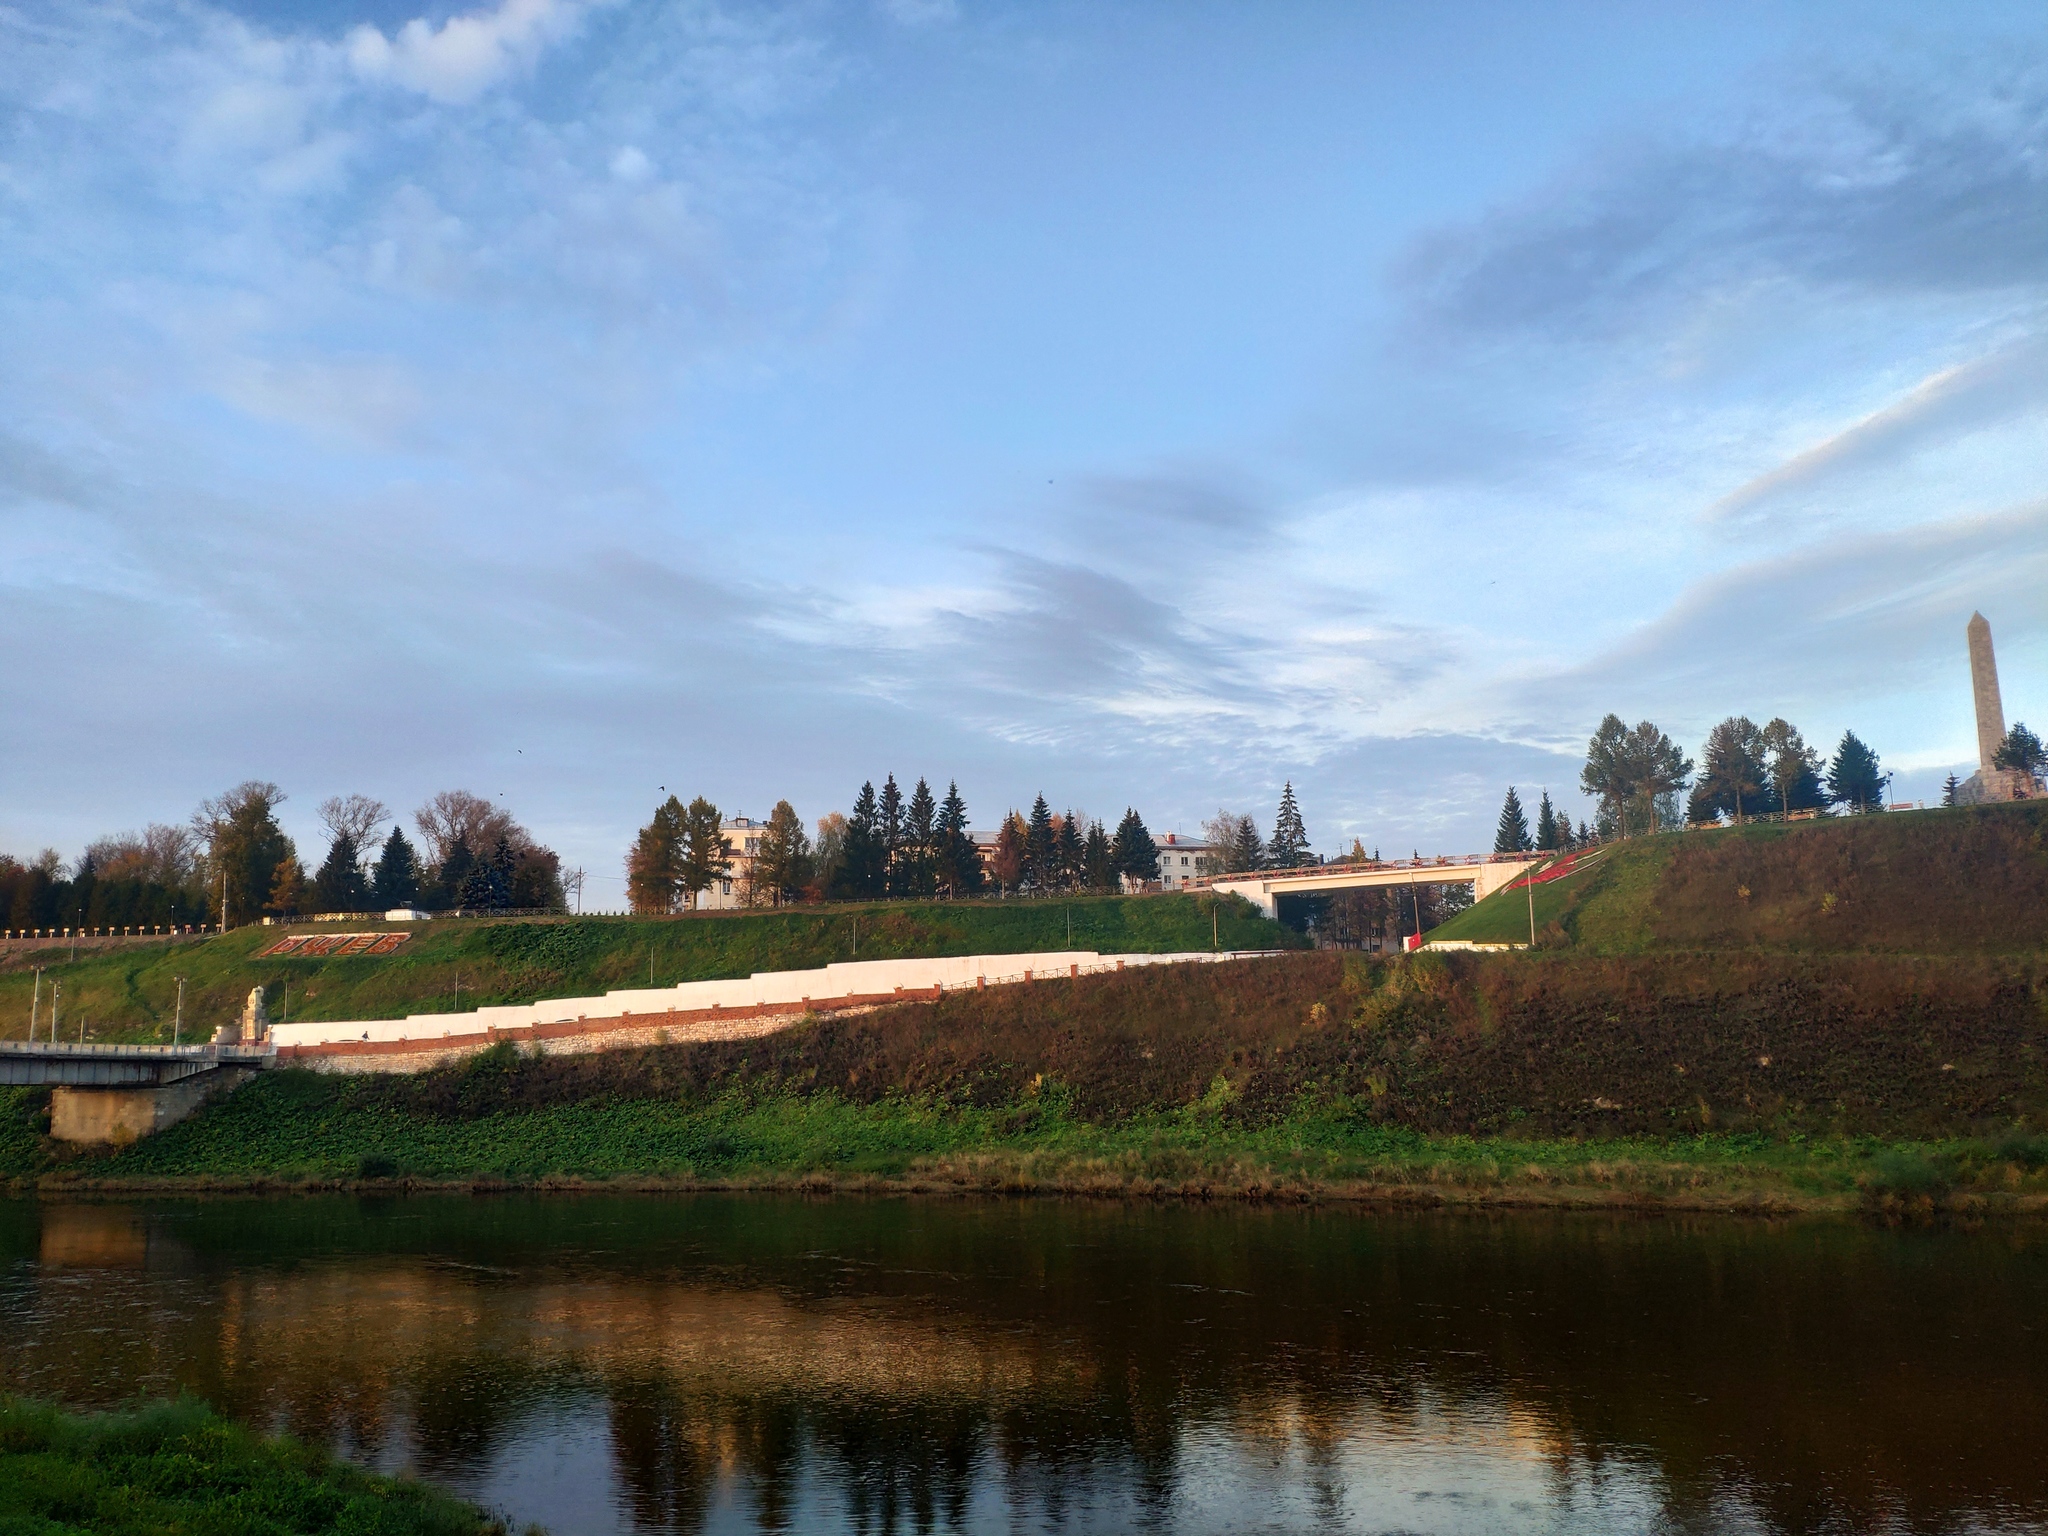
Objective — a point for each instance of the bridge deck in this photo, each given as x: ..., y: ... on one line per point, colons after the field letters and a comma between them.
x: 44, y: 1064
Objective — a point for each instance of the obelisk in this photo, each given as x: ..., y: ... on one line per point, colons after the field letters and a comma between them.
x: 1984, y: 684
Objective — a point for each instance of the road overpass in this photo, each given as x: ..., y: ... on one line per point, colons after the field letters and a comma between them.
x: 1484, y: 872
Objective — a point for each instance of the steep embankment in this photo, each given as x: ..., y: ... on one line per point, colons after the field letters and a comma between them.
x: 1689, y: 1078
x: 1948, y: 882
x: 461, y: 964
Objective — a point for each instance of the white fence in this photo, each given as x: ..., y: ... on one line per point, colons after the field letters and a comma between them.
x: 793, y: 990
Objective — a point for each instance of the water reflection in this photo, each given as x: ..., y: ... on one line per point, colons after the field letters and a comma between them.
x: 726, y: 1363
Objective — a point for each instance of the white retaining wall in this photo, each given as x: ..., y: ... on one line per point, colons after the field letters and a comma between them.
x: 792, y: 989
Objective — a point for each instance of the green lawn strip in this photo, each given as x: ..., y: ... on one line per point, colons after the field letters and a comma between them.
x: 295, y: 1127
x: 177, y: 1468
x: 131, y: 994
x: 1503, y: 918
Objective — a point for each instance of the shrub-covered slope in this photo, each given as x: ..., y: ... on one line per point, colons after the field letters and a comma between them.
x: 130, y: 994
x: 1946, y: 882
x: 1307, y: 1058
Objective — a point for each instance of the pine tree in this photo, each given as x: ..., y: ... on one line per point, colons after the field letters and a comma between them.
x: 959, y: 866
x: 920, y: 842
x: 398, y: 873
x: 1132, y: 851
x: 1512, y: 834
x: 1735, y: 778
x: 1038, y: 846
x: 2021, y: 751
x: 654, y: 867
x: 861, y: 871
x: 890, y: 827
x: 1098, y: 859
x: 1288, y: 847
x: 1247, y: 849
x: 340, y: 886
x: 707, y: 854
x: 1547, y: 837
x: 1854, y: 778
x: 1949, y: 788
x: 1066, y: 852
x: 453, y: 874
x: 782, y: 864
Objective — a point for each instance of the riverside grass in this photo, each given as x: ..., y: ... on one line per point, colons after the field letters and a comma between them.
x: 449, y: 965
x: 177, y: 1467
x: 296, y: 1132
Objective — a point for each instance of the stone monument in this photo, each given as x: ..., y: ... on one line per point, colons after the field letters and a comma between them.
x: 250, y: 1028
x: 1990, y: 783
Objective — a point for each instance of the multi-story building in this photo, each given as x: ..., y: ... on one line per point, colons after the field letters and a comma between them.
x: 1181, y: 858
x: 743, y: 837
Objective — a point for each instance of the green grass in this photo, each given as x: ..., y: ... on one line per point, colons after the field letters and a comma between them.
x: 1504, y: 917
x: 176, y: 1467
x: 294, y: 1129
x: 130, y: 994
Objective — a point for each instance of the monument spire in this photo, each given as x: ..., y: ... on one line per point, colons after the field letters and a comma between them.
x: 1984, y: 685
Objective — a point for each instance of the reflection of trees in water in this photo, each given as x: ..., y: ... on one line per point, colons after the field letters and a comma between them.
x: 896, y: 1354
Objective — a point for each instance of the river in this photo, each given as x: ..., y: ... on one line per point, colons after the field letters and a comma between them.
x: 738, y: 1364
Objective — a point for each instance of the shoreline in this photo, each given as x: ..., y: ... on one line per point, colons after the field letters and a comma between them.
x: 1735, y: 1196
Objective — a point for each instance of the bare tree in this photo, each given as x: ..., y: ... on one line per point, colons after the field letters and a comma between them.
x: 572, y: 885
x: 456, y: 813
x: 169, y: 856
x: 355, y: 817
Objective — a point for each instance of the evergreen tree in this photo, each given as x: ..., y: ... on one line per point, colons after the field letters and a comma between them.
x: 1098, y: 859
x: 1949, y: 788
x: 2021, y: 751
x: 1039, y: 854
x: 654, y: 869
x: 782, y: 864
x: 1635, y: 774
x: 958, y: 865
x: 453, y: 875
x: 1735, y: 778
x: 1067, y: 852
x: 287, y: 887
x: 1794, y: 768
x: 244, y: 843
x: 1548, y: 838
x: 340, y: 886
x: 1512, y: 835
x: 1247, y: 849
x: 1288, y: 848
x: 398, y: 873
x: 861, y: 870
x: 707, y: 855
x: 1133, y: 853
x: 1854, y: 778
x: 890, y: 826
x: 920, y: 842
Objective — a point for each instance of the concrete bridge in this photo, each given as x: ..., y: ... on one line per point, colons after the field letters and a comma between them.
x: 122, y: 1092
x: 1485, y: 873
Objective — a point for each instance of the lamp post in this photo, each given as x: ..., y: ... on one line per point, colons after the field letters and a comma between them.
x: 178, y: 1020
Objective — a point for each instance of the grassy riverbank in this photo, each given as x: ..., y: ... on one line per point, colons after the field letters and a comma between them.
x: 1787, y: 1081
x: 176, y: 1467
x: 131, y: 994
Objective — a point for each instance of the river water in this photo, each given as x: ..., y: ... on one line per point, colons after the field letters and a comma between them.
x: 738, y: 1364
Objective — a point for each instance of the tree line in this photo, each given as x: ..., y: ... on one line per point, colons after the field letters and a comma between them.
x: 1236, y: 848
x: 1637, y: 773
x: 233, y: 863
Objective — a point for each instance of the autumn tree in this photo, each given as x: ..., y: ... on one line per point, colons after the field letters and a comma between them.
x: 707, y: 855
x: 1011, y: 861
x: 654, y: 867
x: 245, y: 844
x: 782, y: 864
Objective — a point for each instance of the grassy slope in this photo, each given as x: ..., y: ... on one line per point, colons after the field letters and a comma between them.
x: 1951, y: 882
x: 129, y: 994
x: 1695, y: 1078
x: 176, y: 1467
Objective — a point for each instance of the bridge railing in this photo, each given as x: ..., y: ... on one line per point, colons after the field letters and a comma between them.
x: 204, y: 1052
x: 1372, y: 866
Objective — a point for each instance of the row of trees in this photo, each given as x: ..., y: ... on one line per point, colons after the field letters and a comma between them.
x: 234, y: 863
x: 1236, y: 847
x: 1636, y: 775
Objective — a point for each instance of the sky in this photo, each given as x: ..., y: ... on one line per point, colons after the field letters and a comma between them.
x: 1146, y: 405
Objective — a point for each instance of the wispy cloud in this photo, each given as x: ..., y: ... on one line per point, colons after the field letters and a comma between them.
x: 465, y: 55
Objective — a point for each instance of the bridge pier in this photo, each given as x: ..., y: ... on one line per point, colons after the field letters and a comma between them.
x: 123, y: 1115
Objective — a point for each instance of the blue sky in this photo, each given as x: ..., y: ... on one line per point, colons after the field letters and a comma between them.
x: 1145, y: 404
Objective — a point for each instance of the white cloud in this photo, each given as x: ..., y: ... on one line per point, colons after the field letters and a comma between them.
x: 632, y: 164
x: 466, y: 55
